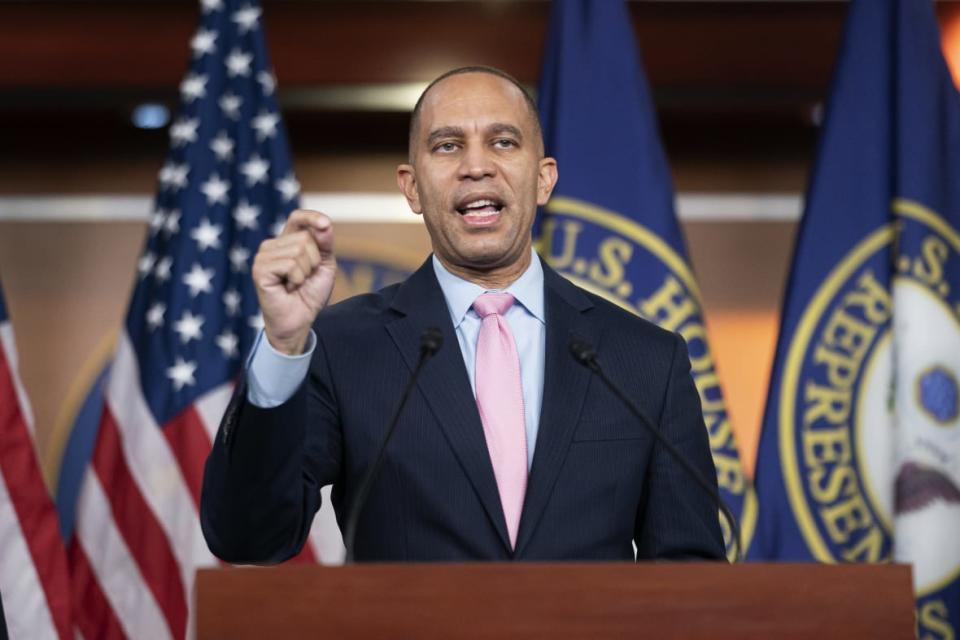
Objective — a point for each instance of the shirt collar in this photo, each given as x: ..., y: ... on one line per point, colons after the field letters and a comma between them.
x: 460, y: 293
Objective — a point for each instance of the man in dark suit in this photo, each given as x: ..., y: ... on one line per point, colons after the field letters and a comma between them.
x: 508, y: 449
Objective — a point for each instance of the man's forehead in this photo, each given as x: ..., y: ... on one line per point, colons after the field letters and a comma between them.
x: 479, y: 81
x: 473, y: 93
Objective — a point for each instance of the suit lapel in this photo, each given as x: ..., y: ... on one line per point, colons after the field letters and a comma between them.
x: 445, y: 385
x: 564, y: 388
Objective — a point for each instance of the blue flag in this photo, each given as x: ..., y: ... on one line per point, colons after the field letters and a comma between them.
x: 860, y: 453
x: 610, y: 226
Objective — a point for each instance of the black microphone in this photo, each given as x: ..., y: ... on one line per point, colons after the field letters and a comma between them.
x: 430, y: 342
x: 584, y: 353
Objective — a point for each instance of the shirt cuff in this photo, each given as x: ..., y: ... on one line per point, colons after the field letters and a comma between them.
x: 272, y: 377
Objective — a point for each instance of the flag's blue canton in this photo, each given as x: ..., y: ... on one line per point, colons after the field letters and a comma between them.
x: 610, y: 225
x: 226, y: 185
x: 3, y: 308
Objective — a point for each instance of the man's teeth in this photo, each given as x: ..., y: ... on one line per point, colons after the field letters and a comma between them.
x: 481, y: 203
x: 482, y: 207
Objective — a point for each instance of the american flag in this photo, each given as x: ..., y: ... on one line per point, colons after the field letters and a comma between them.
x: 33, y: 568
x: 226, y: 185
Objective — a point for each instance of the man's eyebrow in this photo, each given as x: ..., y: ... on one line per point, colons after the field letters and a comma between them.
x: 444, y: 132
x: 499, y: 128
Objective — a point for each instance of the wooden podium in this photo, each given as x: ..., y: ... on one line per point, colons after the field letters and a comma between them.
x: 590, y: 601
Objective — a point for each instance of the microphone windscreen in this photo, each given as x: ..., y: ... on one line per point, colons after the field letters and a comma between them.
x: 582, y: 350
x: 431, y: 340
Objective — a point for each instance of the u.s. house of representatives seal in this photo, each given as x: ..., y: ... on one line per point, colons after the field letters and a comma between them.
x: 630, y: 265
x: 870, y: 409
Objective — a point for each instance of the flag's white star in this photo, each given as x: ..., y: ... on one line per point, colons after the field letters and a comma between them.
x: 173, y: 175
x: 155, y: 315
x: 198, y: 280
x: 188, y: 326
x: 181, y: 374
x: 162, y: 271
x: 255, y: 169
x: 184, y: 130
x: 228, y: 342
x: 206, y: 235
x: 238, y: 63
x: 222, y: 146
x: 267, y: 81
x: 238, y: 258
x: 215, y: 189
x: 265, y: 124
x: 246, y: 18
x: 211, y: 5
x: 246, y: 215
x: 145, y: 264
x: 288, y: 187
x: 256, y: 322
x: 277, y: 228
x: 156, y: 220
x: 172, y: 224
x: 230, y: 104
x: 203, y: 42
x: 231, y: 300
x: 193, y: 87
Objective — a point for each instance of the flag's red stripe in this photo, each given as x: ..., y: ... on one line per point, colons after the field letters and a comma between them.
x: 91, y: 611
x: 306, y: 554
x: 190, y: 445
x: 139, y: 527
x: 32, y: 503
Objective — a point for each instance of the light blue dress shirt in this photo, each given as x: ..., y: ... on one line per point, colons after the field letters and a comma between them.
x: 273, y: 377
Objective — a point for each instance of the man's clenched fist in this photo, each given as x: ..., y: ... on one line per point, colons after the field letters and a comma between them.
x: 293, y: 274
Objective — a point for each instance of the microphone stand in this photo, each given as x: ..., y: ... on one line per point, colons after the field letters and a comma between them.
x: 585, y: 354
x: 430, y: 342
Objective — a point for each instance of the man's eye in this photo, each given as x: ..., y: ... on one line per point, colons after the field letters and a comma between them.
x: 504, y: 143
x: 445, y: 147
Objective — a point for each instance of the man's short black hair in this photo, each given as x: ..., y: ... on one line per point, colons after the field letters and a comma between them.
x: 531, y: 105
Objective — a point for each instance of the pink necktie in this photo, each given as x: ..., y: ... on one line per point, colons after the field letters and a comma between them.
x: 500, y: 400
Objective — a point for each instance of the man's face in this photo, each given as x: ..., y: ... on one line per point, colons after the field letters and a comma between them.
x: 477, y: 172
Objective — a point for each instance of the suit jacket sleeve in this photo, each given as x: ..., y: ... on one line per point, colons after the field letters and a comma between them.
x: 262, y: 480
x: 677, y: 519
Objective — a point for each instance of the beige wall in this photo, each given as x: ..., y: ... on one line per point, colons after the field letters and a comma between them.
x: 67, y: 286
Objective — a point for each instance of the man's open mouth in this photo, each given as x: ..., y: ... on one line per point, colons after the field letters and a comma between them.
x: 481, y: 210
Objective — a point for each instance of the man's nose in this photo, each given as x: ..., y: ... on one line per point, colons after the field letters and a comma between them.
x: 477, y: 163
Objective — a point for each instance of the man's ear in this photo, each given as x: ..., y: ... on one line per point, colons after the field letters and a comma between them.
x: 407, y: 181
x: 546, y: 180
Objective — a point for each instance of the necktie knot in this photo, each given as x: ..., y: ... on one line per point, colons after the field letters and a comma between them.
x: 492, y: 303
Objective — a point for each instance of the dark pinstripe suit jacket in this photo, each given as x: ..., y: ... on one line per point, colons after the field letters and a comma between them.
x: 597, y: 483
